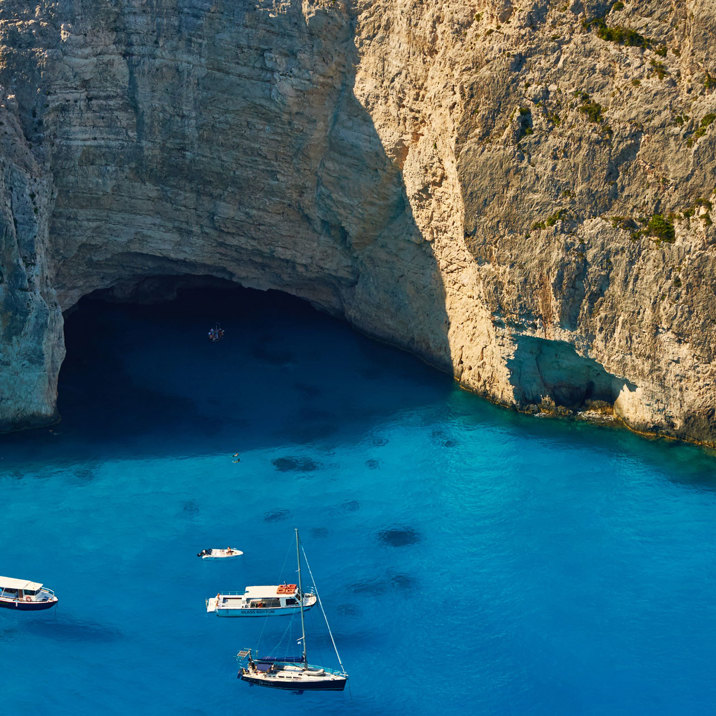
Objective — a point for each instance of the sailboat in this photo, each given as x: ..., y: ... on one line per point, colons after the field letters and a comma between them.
x: 294, y: 673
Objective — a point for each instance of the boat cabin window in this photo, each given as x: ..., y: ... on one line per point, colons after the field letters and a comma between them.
x: 12, y: 593
x: 265, y: 603
x: 291, y: 602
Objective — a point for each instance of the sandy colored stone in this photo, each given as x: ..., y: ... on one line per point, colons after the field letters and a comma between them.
x: 467, y: 179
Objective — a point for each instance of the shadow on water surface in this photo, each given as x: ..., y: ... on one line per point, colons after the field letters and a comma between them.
x: 101, y: 396
x: 680, y: 463
x: 64, y: 629
x: 542, y: 368
x: 143, y: 381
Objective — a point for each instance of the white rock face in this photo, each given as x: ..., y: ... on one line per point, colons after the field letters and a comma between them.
x: 487, y: 183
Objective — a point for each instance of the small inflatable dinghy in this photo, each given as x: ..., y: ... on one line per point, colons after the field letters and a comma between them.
x: 228, y: 553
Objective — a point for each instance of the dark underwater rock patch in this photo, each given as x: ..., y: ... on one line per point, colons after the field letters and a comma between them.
x: 295, y: 464
x: 380, y: 585
x: 190, y: 507
x: 276, y: 515
x: 442, y: 438
x: 351, y: 506
x: 372, y: 464
x: 399, y: 536
x: 319, y: 532
x: 379, y: 442
x: 85, y: 474
x: 368, y: 586
x: 348, y: 610
x: 402, y: 581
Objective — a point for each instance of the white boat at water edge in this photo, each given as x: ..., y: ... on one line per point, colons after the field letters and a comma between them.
x: 228, y: 553
x: 261, y: 601
x: 25, y: 596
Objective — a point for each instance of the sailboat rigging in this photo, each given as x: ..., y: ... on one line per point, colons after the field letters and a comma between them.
x: 294, y: 673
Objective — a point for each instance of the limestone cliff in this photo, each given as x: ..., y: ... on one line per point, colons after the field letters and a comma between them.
x: 518, y: 191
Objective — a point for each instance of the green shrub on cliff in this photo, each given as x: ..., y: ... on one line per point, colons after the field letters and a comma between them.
x: 624, y: 223
x: 660, y: 69
x: 706, y: 121
x: 524, y: 119
x: 661, y: 228
x: 617, y: 33
x: 551, y: 220
x: 554, y: 218
x: 621, y: 35
x: 593, y: 110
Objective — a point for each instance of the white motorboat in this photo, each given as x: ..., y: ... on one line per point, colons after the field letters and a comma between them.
x: 25, y: 596
x: 294, y: 673
x: 261, y: 601
x: 228, y: 553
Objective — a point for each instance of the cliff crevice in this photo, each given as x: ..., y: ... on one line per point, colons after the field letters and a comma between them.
x: 519, y: 191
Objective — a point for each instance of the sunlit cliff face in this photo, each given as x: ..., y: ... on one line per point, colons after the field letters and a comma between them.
x: 477, y: 182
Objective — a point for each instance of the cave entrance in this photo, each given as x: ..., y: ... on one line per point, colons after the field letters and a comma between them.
x: 141, y: 371
x: 140, y: 365
x: 543, y: 369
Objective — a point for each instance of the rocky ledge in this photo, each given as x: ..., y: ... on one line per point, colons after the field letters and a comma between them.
x: 518, y: 191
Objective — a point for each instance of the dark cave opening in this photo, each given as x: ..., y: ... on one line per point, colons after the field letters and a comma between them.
x: 544, y: 369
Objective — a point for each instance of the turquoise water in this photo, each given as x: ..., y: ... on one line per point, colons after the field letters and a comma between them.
x: 471, y: 560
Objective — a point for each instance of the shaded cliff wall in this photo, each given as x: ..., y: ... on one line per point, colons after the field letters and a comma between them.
x: 560, y: 158
x: 517, y: 191
x: 31, y: 342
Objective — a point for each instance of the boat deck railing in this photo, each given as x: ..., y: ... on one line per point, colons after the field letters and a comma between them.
x: 43, y: 595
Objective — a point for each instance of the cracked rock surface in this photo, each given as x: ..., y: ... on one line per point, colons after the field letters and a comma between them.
x: 518, y: 191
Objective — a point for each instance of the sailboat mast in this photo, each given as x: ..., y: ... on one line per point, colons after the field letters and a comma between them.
x: 300, y: 594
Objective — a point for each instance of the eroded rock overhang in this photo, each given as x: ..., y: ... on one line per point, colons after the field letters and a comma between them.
x: 446, y: 176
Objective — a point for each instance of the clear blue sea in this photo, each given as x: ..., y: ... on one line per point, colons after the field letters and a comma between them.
x: 471, y: 560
